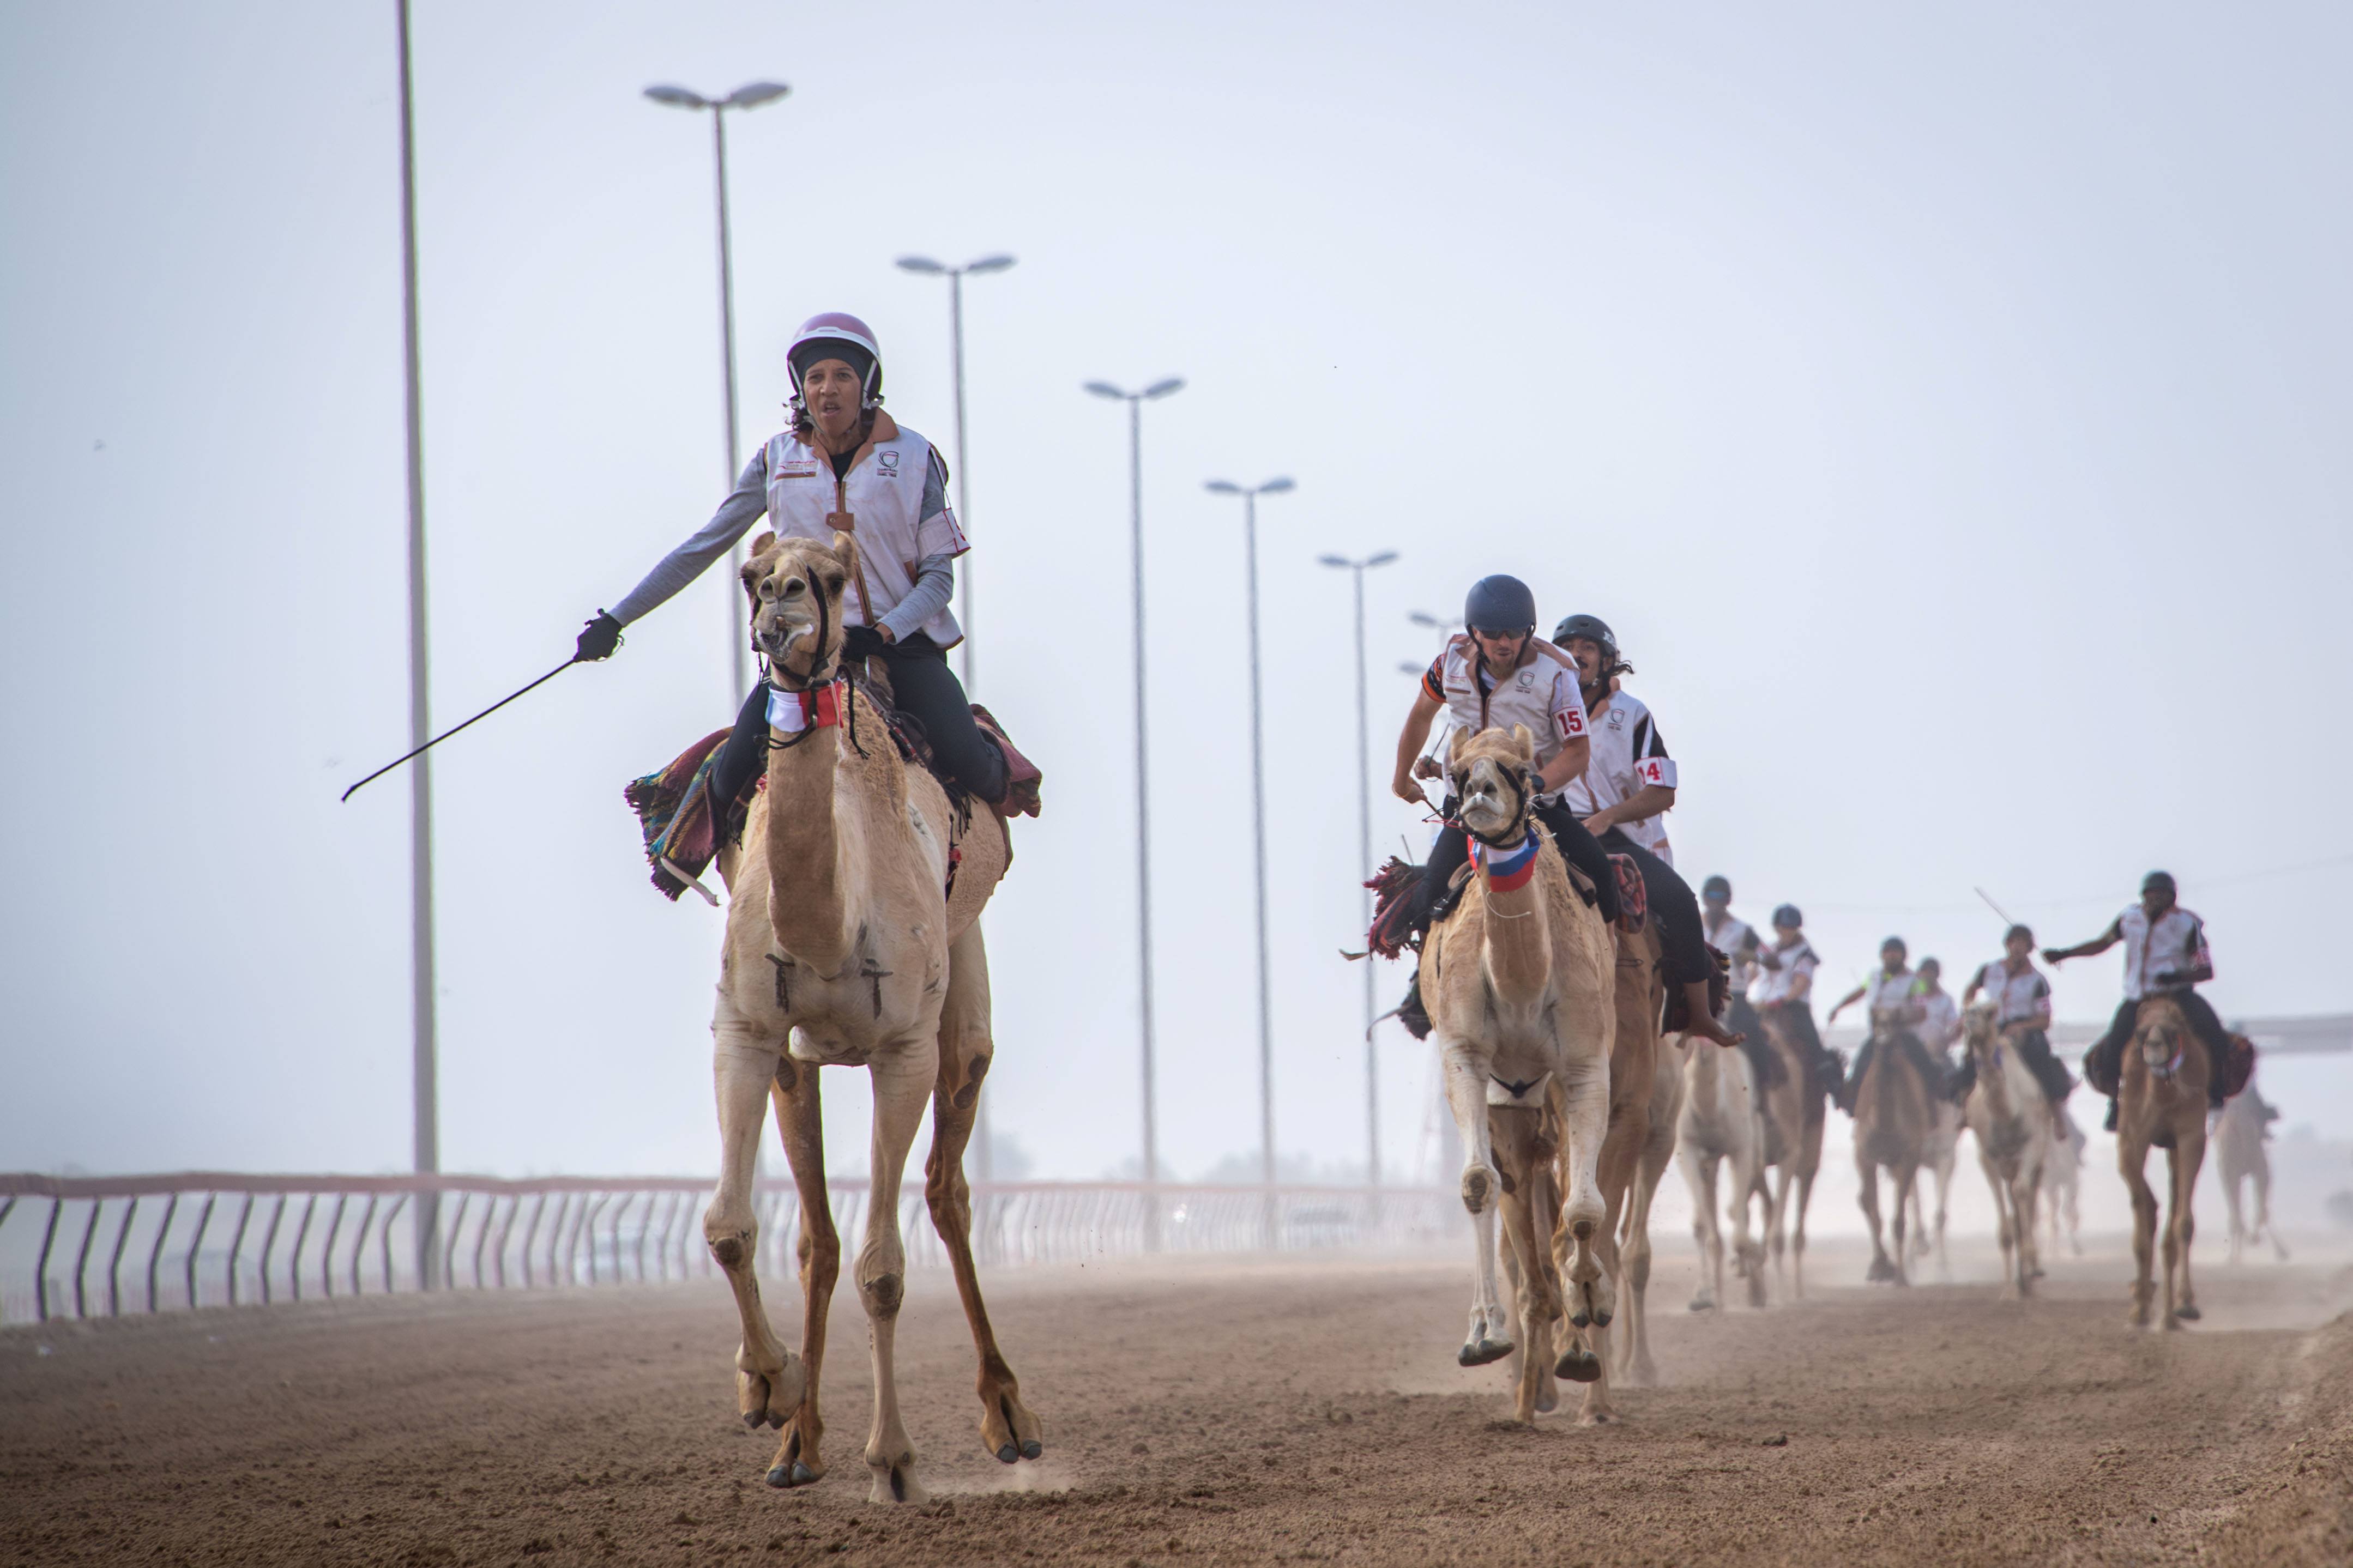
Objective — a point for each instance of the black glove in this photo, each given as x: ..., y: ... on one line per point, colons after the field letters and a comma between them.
x: 598, y: 638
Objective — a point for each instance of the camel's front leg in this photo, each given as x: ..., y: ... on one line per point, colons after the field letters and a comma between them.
x: 1528, y: 1263
x: 800, y: 1116
x: 1008, y: 1429
x: 1489, y: 1338
x: 1635, y: 1254
x: 2026, y: 1199
x: 2132, y: 1158
x: 1867, y: 1199
x: 903, y: 1075
x: 2006, y: 1221
x: 768, y: 1378
x: 2186, y: 1154
x: 1944, y: 1187
x: 1699, y: 1179
x: 1592, y: 1293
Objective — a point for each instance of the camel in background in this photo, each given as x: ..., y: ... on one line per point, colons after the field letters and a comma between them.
x: 2239, y: 1135
x: 1943, y: 1150
x: 1794, y: 1112
x: 2062, y: 1172
x: 844, y: 949
x: 1721, y: 1127
x: 1519, y: 983
x: 1658, y: 1151
x: 2012, y: 1120
x: 1895, y: 1114
x: 2161, y: 1103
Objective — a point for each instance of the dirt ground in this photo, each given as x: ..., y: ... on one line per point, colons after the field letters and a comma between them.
x: 1206, y: 1413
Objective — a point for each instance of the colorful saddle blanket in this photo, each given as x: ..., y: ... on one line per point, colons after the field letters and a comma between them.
x: 674, y: 812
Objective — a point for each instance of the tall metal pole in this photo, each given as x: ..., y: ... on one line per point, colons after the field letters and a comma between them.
x: 1142, y: 827
x: 955, y: 353
x: 1257, y: 854
x: 424, y: 1089
x: 738, y: 642
x: 1364, y: 860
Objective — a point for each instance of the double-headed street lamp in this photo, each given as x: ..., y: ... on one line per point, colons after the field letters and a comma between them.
x: 925, y: 265
x: 1364, y: 849
x: 1136, y: 402
x: 1249, y: 495
x: 750, y: 95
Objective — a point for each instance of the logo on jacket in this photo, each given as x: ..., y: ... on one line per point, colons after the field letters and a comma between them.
x: 890, y: 464
x: 1617, y: 718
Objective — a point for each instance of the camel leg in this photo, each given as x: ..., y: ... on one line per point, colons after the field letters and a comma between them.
x: 2188, y: 1155
x: 1867, y: 1199
x: 1905, y: 1180
x: 1008, y: 1429
x: 1780, y: 1182
x: 1527, y: 1262
x: 2132, y: 1156
x: 2006, y: 1221
x: 1751, y: 1255
x: 1699, y: 1178
x: 1642, y: 1370
x: 1489, y: 1338
x: 903, y: 1078
x: 2026, y: 1199
x: 2263, y: 1210
x: 2238, y: 1223
x: 799, y: 1117
x: 769, y: 1381
x: 1944, y: 1188
x: 1590, y: 1290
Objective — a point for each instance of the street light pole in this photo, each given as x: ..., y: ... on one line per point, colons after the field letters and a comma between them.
x: 927, y: 267
x: 1358, y: 568
x: 750, y: 95
x: 1257, y: 836
x: 1135, y: 401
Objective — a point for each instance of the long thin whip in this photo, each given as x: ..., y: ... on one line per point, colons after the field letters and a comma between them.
x: 1994, y: 907
x: 445, y: 735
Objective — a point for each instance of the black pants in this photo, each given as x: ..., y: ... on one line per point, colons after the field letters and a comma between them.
x: 2033, y: 1047
x: 1764, y: 1062
x: 1796, y: 1019
x: 1904, y: 1042
x: 1680, y: 931
x: 922, y: 686
x: 2104, y: 1063
x: 1568, y: 836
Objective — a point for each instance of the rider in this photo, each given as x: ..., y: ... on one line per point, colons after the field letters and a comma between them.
x: 1738, y: 941
x: 2165, y: 956
x: 1491, y: 677
x: 2021, y: 1000
x: 1940, y: 1016
x: 1894, y: 1013
x: 1785, y: 994
x: 1626, y: 788
x: 845, y: 465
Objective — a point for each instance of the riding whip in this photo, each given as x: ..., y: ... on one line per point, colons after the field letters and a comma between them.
x: 445, y: 735
x: 1997, y: 908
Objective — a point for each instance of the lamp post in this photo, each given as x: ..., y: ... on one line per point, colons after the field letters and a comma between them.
x: 1258, y: 831
x: 1356, y: 569
x: 927, y: 268
x: 750, y: 95
x: 1136, y: 402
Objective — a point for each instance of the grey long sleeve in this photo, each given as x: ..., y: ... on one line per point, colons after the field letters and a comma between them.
x: 934, y: 586
x: 745, y: 506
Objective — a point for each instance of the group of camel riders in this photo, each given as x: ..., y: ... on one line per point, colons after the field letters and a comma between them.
x: 1603, y: 777
x: 1603, y: 782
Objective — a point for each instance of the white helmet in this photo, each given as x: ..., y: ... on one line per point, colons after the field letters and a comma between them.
x: 836, y: 335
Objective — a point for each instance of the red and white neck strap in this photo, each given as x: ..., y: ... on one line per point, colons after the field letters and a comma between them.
x: 794, y: 711
x: 1507, y: 869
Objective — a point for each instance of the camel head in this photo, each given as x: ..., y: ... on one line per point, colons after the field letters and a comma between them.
x: 2163, y: 1038
x: 1978, y: 1027
x: 1493, y: 775
x: 795, y: 587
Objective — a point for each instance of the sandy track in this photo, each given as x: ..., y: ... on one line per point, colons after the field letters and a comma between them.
x: 1211, y: 1413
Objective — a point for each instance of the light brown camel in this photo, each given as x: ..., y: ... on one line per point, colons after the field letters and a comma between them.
x: 1895, y: 1114
x: 2239, y: 1134
x: 1795, y: 1110
x: 2011, y: 1119
x: 844, y: 949
x: 2162, y: 1101
x: 1518, y: 982
x: 1722, y: 1130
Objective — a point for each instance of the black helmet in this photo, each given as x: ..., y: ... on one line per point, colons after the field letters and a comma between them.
x: 1502, y: 605
x: 1788, y: 918
x: 1591, y: 628
x: 2159, y: 882
x: 1896, y: 943
x: 1716, y: 888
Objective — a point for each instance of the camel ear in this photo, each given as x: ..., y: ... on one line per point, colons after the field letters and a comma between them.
x: 1525, y: 741
x: 1455, y: 748
x: 845, y: 549
x: 767, y: 537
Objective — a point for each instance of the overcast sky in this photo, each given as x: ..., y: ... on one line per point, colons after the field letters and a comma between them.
x: 1948, y: 406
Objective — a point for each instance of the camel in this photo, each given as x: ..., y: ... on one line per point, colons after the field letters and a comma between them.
x: 1722, y: 1129
x: 845, y: 947
x: 1658, y: 1151
x: 2239, y: 1134
x: 1794, y: 1112
x: 1943, y: 1149
x: 2062, y: 1171
x: 1518, y: 982
x: 2011, y: 1119
x: 1894, y: 1113
x: 2161, y: 1102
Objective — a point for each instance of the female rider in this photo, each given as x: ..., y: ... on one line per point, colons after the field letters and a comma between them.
x: 845, y: 465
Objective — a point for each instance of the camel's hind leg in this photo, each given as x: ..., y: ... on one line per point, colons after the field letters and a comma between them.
x: 1584, y: 1233
x: 1635, y: 1249
x: 2184, y: 1158
x: 1528, y: 1260
x: 1699, y: 1178
x: 903, y: 1075
x: 2238, y: 1220
x: 800, y: 1118
x: 1883, y: 1267
x: 1944, y: 1161
x: 2263, y: 1210
x: 769, y: 1380
x: 2132, y: 1159
x: 2026, y: 1200
x: 1008, y: 1429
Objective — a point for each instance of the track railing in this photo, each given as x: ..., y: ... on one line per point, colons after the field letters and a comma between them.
x: 106, y: 1245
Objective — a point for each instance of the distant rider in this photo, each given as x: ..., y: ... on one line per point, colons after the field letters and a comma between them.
x: 2165, y: 956
x: 1738, y: 941
x: 2021, y: 999
x: 1895, y: 1015
x: 1785, y: 994
x: 1940, y: 1016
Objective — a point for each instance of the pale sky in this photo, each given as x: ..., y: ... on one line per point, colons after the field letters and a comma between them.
x: 1947, y: 405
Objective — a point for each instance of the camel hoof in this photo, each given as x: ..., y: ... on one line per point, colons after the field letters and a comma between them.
x: 1483, y: 1352
x: 1032, y: 1448
x: 1880, y: 1271
x: 1700, y: 1304
x: 1547, y: 1401
x: 796, y: 1474
x: 1578, y: 1366
x: 1601, y: 1319
x: 1009, y: 1455
x: 2186, y: 1309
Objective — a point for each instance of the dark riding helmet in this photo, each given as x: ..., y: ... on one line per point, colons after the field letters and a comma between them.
x: 1897, y: 943
x: 1591, y: 628
x: 1716, y: 888
x: 1787, y: 918
x: 2017, y: 932
x: 2159, y: 882
x: 1500, y: 605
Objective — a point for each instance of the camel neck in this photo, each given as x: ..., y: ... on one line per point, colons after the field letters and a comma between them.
x: 808, y: 853
x: 1518, y: 938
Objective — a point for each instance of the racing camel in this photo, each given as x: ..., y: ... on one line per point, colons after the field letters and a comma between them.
x: 2161, y: 1103
x: 847, y: 945
x: 1518, y: 981
x: 1722, y: 1132
x: 2239, y: 1149
x: 1795, y: 1108
x: 1894, y: 1122
x: 2011, y: 1119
